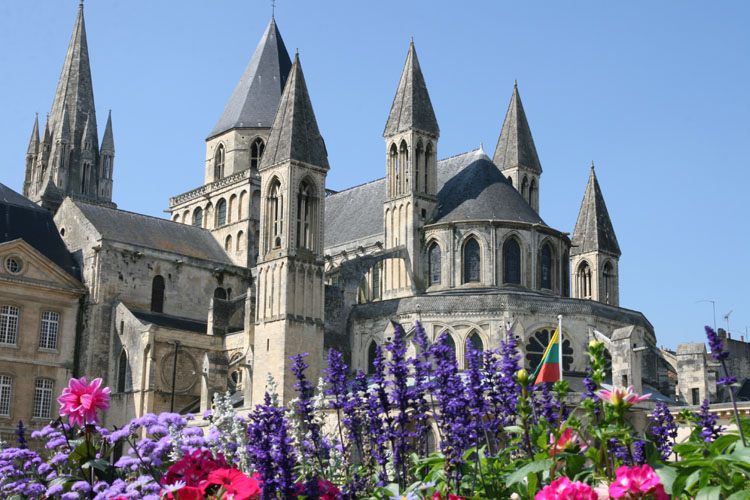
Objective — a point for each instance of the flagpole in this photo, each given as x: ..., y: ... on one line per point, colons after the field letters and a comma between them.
x: 560, y: 343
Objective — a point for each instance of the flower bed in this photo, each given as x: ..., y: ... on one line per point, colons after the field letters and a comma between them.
x: 369, y: 436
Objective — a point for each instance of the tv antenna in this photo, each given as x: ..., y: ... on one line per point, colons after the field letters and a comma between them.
x: 726, y: 318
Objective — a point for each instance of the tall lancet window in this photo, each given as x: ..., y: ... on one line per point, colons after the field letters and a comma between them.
x: 512, y: 262
x: 427, y: 166
x: 256, y: 152
x: 545, y: 267
x: 393, y: 170
x: 157, y: 294
x: 403, y: 160
x: 472, y: 262
x: 221, y: 213
x: 275, y: 215
x: 525, y: 189
x: 305, y: 203
x: 219, y: 163
x: 433, y: 256
x: 85, y: 174
x: 198, y: 217
x: 419, y: 167
x: 583, y: 281
x: 609, y: 283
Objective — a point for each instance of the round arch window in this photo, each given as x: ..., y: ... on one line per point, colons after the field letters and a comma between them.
x: 538, y: 343
x: 14, y: 265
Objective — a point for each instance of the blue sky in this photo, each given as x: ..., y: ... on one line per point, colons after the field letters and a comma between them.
x: 655, y: 93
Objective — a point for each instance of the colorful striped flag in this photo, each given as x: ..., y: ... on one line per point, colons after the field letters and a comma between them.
x: 549, y: 369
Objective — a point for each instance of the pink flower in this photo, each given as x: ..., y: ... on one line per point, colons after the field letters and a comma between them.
x: 637, y: 482
x: 564, y: 489
x: 235, y: 483
x: 569, y: 442
x: 620, y: 396
x: 80, y: 400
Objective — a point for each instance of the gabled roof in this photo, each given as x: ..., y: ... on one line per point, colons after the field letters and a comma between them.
x: 411, y: 108
x: 593, y: 231
x: 152, y: 232
x: 470, y: 187
x: 20, y: 218
x: 295, y: 134
x: 256, y: 97
x: 515, y: 146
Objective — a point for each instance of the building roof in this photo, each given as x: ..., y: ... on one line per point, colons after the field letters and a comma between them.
x: 169, y: 321
x: 411, y: 108
x: 256, y: 97
x: 470, y: 187
x: 515, y: 146
x: 593, y: 231
x: 152, y: 232
x: 295, y: 134
x: 20, y: 218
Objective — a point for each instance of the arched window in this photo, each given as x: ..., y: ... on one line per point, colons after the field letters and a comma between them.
x: 228, y: 243
x: 434, y: 264
x: 418, y: 167
x: 609, y: 283
x: 157, y: 294
x: 532, y: 193
x: 275, y: 215
x: 123, y: 373
x: 583, y: 281
x: 372, y: 351
x: 240, y: 241
x: 477, y: 345
x: 403, y: 159
x: 449, y: 342
x: 256, y: 152
x: 304, y: 216
x: 510, y: 179
x: 176, y: 218
x: 242, y: 210
x: 472, y: 261
x: 219, y: 163
x: 220, y: 293
x: 186, y: 217
x: 537, y: 346
x: 525, y: 189
x: 376, y: 280
x: 198, y: 217
x: 231, y: 208
x: 393, y: 167
x: 427, y: 166
x: 545, y: 267
x: 221, y: 213
x: 512, y: 262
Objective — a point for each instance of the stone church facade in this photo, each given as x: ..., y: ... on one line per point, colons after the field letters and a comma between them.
x: 263, y: 261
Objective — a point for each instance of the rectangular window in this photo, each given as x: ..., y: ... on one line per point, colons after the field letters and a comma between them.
x: 50, y: 326
x: 8, y: 324
x: 43, y: 399
x: 6, y: 385
x: 696, y: 394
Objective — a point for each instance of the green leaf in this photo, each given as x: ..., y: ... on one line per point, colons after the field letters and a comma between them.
x: 513, y: 429
x: 721, y: 444
x: 667, y: 474
x: 709, y: 493
x: 82, y: 453
x: 533, y: 467
x: 740, y: 495
x: 61, y: 480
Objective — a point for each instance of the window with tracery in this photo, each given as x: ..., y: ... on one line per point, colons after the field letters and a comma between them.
x: 275, y: 215
x: 472, y: 261
x: 537, y: 345
x: 512, y: 262
x: 256, y: 152
x: 434, y: 264
x: 545, y: 268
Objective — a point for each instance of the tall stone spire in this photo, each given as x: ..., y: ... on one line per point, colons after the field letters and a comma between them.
x: 295, y: 135
x: 515, y: 146
x: 32, y: 152
x: 594, y: 231
x: 108, y: 141
x: 34, y: 140
x: 255, y: 99
x: 411, y: 108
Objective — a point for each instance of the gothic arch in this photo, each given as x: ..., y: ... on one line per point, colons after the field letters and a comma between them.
x: 583, y: 280
x: 403, y: 160
x: 231, y: 207
x: 157, y: 293
x: 228, y: 243
x: 124, y: 377
x: 609, y: 282
x: 219, y: 157
x: 221, y: 213
x: 307, y: 214
x: 198, y: 217
x: 257, y: 148
x: 370, y: 354
x: 512, y: 260
x: 434, y: 263
x: 242, y: 208
x: 525, y: 188
x: 419, y: 167
x: 393, y: 172
x: 274, y: 214
x: 546, y: 268
x: 471, y: 260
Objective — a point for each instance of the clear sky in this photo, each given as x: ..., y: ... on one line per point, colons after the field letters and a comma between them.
x: 655, y: 93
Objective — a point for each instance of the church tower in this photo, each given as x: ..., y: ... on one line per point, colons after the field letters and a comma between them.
x: 228, y: 203
x: 515, y: 154
x: 594, y: 252
x: 411, y: 136
x: 290, y: 270
x: 67, y: 162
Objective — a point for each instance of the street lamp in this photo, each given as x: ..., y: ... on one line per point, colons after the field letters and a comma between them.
x: 713, y: 304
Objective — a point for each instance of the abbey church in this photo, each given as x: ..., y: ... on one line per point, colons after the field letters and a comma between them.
x: 262, y: 261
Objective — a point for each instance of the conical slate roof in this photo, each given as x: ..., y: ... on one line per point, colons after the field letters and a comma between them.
x: 34, y: 140
x: 108, y: 141
x: 593, y: 231
x: 412, y: 108
x: 256, y: 97
x: 295, y: 134
x: 75, y: 90
x: 515, y: 146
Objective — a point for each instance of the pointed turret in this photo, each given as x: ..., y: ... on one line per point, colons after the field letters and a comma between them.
x: 88, y: 138
x: 62, y: 133
x: 34, y: 140
x: 108, y: 141
x: 295, y: 135
x: 594, y: 252
x: 31, y: 155
x: 594, y: 231
x: 515, y: 153
x: 255, y: 99
x: 412, y: 108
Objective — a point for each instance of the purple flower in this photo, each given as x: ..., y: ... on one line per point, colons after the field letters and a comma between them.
x: 709, y: 430
x: 731, y: 380
x: 663, y: 429
x: 314, y: 447
x: 714, y: 342
x: 400, y: 397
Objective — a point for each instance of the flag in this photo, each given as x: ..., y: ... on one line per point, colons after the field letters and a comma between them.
x: 549, y: 369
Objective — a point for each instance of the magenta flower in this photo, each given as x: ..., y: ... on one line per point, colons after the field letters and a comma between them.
x: 80, y: 400
x: 621, y: 396
x: 569, y: 442
x: 565, y: 489
x: 637, y: 482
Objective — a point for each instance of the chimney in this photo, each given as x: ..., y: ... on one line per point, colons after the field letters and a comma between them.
x: 729, y: 336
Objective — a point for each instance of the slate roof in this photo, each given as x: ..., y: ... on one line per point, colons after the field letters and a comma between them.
x: 20, y: 218
x: 295, y: 134
x: 515, y: 146
x: 168, y: 321
x: 470, y: 187
x: 152, y: 232
x: 593, y: 231
x: 256, y: 97
x: 411, y: 108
